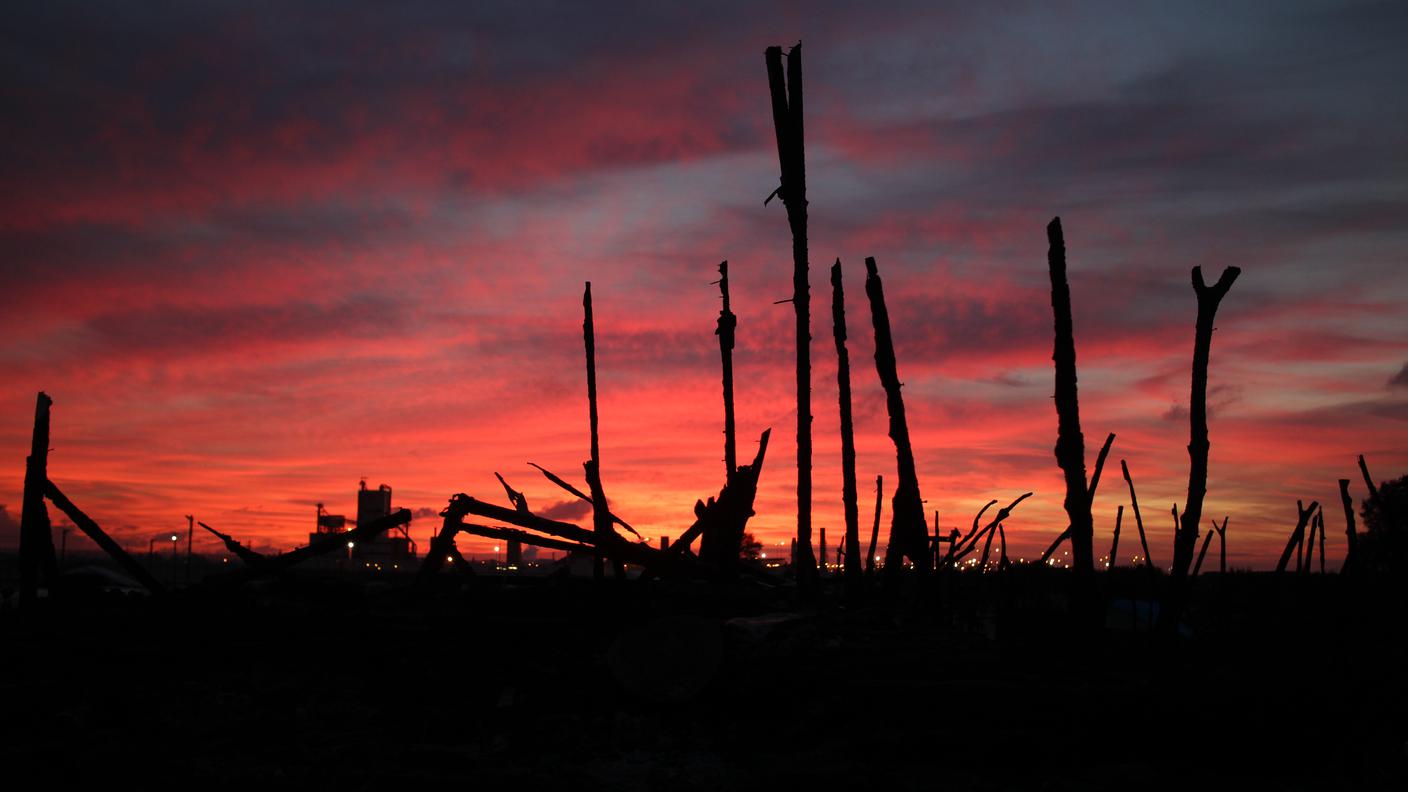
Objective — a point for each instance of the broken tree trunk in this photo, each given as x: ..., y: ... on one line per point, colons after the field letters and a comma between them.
x: 725, y: 331
x: 1115, y: 543
x: 725, y: 518
x: 601, y: 516
x: 443, y: 545
x: 36, y: 554
x: 875, y: 527
x: 822, y: 555
x: 520, y: 502
x: 849, y: 495
x: 786, y: 95
x: 1298, y: 535
x: 1138, y: 521
x: 1222, y: 545
x: 1209, y: 298
x: 1349, y: 532
x: 1094, y: 483
x: 99, y: 537
x: 1070, y: 443
x: 908, y: 535
x: 249, y: 557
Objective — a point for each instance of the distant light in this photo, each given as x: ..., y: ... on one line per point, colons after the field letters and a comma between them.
x: 350, y: 544
x: 449, y: 558
x: 765, y: 555
x: 174, y: 537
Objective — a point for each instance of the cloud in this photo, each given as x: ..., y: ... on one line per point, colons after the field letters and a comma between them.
x: 566, y: 510
x: 1399, y: 380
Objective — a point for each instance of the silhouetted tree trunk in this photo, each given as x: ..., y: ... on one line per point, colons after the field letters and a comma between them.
x: 1298, y: 535
x: 36, y: 553
x: 1115, y: 543
x: 1221, y: 544
x: 908, y: 534
x: 723, y: 520
x: 725, y: 331
x: 849, y: 495
x: 1209, y: 297
x: 601, y: 515
x: 791, y: 155
x: 100, y: 538
x: 1094, y: 484
x: 1138, y: 521
x: 972, y: 532
x: 970, y: 543
x: 822, y: 557
x: 875, y: 528
x: 1070, y: 443
x: 1349, y: 533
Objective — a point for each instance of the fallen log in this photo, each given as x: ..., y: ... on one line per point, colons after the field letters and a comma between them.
x: 100, y: 537
x: 529, y: 521
x: 328, y: 542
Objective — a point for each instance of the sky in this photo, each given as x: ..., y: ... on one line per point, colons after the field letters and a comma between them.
x: 258, y: 251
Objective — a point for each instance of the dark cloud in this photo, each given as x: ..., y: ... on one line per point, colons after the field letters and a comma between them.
x: 566, y: 510
x: 1399, y: 380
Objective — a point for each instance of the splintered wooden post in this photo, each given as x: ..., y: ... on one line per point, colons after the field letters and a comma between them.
x: 1207, y: 540
x: 849, y: 495
x: 1115, y: 543
x: 1315, y: 523
x: 1070, y: 443
x: 593, y: 466
x: 786, y: 92
x: 520, y: 502
x: 875, y: 527
x: 725, y: 331
x: 1222, y: 545
x: 1186, y: 535
x: 36, y: 554
x: 1138, y: 521
x: 908, y: 534
x: 822, y: 554
x: 101, y: 539
x: 1322, y: 540
x: 1094, y: 483
x: 1349, y: 534
x: 1297, y: 536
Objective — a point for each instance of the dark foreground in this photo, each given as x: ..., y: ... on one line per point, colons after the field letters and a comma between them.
x: 561, y: 684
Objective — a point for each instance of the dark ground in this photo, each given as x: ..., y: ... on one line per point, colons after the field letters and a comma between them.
x: 1297, y: 684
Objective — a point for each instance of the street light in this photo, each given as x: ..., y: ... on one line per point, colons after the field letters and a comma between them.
x: 174, y: 546
x: 496, y: 557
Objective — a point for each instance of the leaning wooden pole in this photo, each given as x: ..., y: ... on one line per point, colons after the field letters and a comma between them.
x: 101, y: 539
x: 1298, y: 535
x: 849, y: 495
x: 1186, y: 536
x: 1351, y: 538
x: 1070, y: 443
x: 1138, y: 521
x: 601, y: 515
x: 1115, y: 543
x: 786, y: 94
x: 725, y: 331
x: 909, y: 537
x: 875, y: 527
x: 36, y: 554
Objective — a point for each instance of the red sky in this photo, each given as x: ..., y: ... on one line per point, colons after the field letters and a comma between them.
x: 255, y: 253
